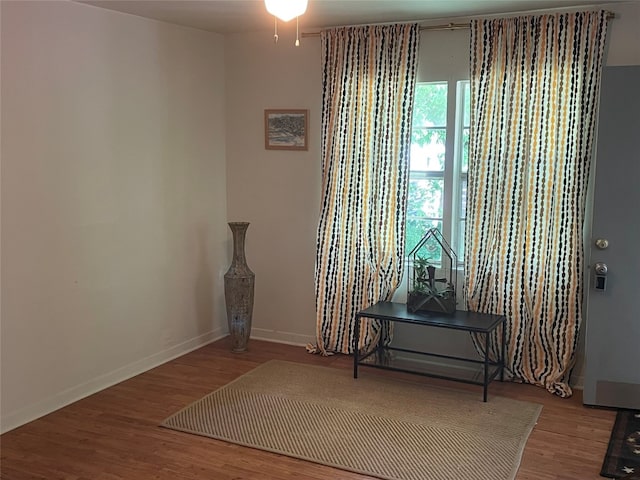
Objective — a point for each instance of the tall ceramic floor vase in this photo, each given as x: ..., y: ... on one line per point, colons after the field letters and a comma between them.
x: 239, y: 283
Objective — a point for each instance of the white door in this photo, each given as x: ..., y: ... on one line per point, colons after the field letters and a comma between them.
x: 612, y: 348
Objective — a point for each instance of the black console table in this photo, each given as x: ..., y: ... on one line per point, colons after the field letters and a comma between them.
x: 474, y: 371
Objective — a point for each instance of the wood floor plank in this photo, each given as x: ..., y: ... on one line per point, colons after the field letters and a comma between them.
x: 114, y: 434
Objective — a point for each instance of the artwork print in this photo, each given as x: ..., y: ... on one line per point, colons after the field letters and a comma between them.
x: 286, y: 129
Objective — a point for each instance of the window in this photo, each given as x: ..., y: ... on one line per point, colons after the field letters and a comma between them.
x: 439, y: 161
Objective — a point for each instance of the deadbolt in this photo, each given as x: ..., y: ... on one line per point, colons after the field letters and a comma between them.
x: 601, y: 268
x: 602, y: 243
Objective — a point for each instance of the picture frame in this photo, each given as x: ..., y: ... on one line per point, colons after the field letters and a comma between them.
x: 286, y: 129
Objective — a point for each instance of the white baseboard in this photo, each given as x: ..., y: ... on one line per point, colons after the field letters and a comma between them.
x: 73, y: 394
x: 287, y: 338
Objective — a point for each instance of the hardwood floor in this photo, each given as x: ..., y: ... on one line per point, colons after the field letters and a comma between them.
x: 114, y: 434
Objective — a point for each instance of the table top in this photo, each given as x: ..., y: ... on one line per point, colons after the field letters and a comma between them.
x: 459, y: 320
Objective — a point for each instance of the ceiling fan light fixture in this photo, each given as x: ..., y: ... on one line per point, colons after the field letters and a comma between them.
x: 286, y: 10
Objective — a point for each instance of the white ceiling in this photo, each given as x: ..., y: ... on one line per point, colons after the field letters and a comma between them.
x: 236, y: 16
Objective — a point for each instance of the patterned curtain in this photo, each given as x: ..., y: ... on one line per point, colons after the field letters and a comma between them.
x: 535, y: 85
x: 369, y: 81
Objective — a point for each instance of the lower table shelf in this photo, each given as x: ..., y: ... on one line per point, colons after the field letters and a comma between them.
x: 467, y: 370
x: 430, y: 364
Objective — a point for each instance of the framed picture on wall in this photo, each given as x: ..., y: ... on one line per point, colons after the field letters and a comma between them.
x: 286, y: 129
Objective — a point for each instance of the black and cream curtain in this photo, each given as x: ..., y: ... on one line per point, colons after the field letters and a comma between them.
x: 368, y: 86
x: 534, y: 90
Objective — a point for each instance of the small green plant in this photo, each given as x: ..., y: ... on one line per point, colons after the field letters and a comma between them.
x: 427, y: 288
x: 423, y: 270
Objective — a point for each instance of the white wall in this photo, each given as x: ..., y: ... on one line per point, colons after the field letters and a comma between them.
x: 114, y: 235
x: 279, y: 192
x: 624, y: 35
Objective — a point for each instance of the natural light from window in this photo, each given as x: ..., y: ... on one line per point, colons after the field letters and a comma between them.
x: 439, y: 161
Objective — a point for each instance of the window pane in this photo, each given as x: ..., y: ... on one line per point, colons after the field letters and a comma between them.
x: 465, y: 150
x: 430, y: 163
x: 427, y: 149
x: 425, y: 198
x: 430, y: 105
x: 463, y: 197
x: 460, y: 250
x: 418, y: 228
x: 466, y: 105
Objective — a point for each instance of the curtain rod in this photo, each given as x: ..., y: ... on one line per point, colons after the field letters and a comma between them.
x: 448, y: 26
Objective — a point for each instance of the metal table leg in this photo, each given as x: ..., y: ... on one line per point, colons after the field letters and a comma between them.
x: 486, y: 366
x: 356, y: 341
x: 504, y: 342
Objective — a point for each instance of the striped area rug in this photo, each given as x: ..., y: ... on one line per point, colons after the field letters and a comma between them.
x: 376, y: 425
